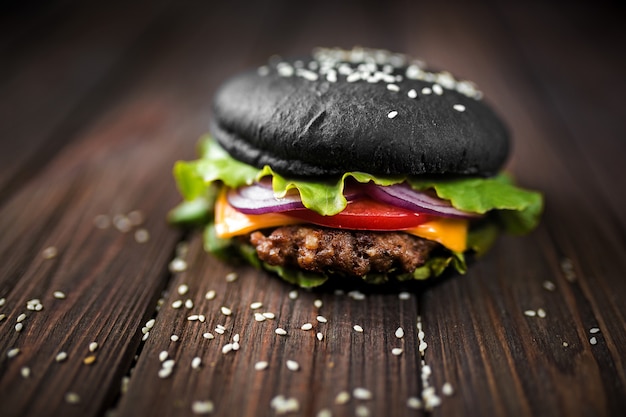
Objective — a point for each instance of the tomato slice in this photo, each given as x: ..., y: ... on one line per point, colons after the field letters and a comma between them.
x: 365, y: 214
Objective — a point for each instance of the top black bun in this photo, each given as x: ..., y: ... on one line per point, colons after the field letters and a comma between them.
x: 360, y: 110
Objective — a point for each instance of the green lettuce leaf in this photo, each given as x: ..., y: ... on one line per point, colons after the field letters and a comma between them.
x: 518, y: 209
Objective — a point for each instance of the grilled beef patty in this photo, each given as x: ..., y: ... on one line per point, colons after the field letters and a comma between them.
x: 350, y: 252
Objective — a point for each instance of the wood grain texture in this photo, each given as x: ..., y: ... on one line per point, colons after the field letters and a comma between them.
x: 93, y: 118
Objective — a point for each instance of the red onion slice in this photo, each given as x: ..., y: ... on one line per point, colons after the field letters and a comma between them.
x: 402, y: 195
x: 259, y: 198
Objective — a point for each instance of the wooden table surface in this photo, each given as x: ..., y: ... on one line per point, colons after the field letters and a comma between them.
x: 99, y: 99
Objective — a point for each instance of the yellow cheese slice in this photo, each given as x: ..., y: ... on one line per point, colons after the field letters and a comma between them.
x: 451, y: 233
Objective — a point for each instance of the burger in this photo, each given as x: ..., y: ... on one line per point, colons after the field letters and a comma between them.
x: 352, y: 163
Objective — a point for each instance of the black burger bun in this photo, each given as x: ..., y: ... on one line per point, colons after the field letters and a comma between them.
x: 360, y: 110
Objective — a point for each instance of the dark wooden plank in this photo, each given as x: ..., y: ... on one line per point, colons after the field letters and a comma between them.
x: 51, y: 88
x: 499, y: 358
x: 343, y: 360
x: 154, y: 106
x: 111, y: 281
x: 122, y: 162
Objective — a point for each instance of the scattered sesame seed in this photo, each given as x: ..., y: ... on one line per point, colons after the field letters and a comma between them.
x: 150, y: 323
x: 307, y: 326
x: 236, y: 346
x: 541, y: 313
x: 210, y: 294
x: 226, y: 311
x: 13, y: 352
x: 19, y: 327
x: 231, y: 277
x: 280, y: 331
x: 177, y: 304
x: 356, y: 295
x: 93, y: 346
x: 165, y: 372
x: 124, y: 384
x: 284, y: 405
x: 193, y: 317
x: 321, y: 319
x: 324, y: 412
x: 196, y: 362
x: 362, y: 411
x: 292, y: 365
x: 393, y: 87
x: 261, y: 365
x: 219, y: 330
x: 431, y: 400
x: 259, y: 317
x: 565, y: 344
x: 227, y: 348
x: 269, y: 315
x: 320, y: 336
x: 188, y: 304
x: 202, y: 407
x: 567, y: 266
x: 145, y: 336
x: 2, y: 301
x: 447, y: 389
x: 102, y: 221
x: 168, y: 364
x: 396, y: 351
x: 136, y: 217
x: 549, y: 285
x: 58, y: 295
x: 144, y: 330
x: 174, y: 338
x: 400, y: 333
x: 178, y: 265
x: 594, y: 330
x: 318, y: 303
x: 163, y: 356
x: 208, y: 336
x: 25, y: 372
x: 593, y: 340
x: 412, y: 93
x: 404, y: 295
x: 459, y: 107
x: 362, y: 394
x: 437, y: 89
x: 530, y: 313
x: 342, y: 398
x: 422, y: 347
x: 358, y: 328
x: 3, y: 316
x: 49, y: 252
x: 142, y: 236
x: 414, y: 403
x: 392, y: 114
x: 256, y: 305
x: 426, y: 91
x: 72, y: 398
x: 122, y: 223
x: 89, y: 360
x: 182, y: 289
x: 21, y: 317
x: 293, y: 294
x: 61, y: 356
